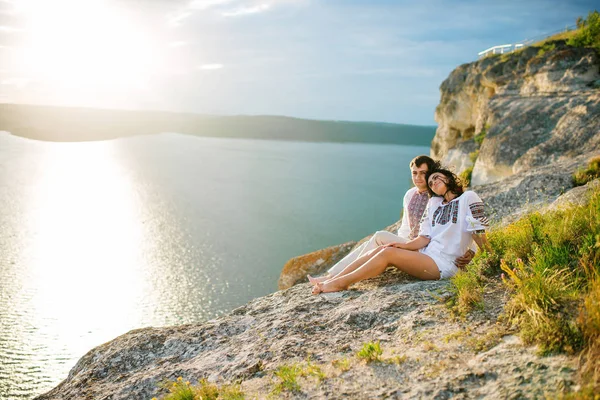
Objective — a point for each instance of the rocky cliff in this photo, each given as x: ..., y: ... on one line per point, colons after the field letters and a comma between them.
x: 519, y: 111
x: 523, y: 122
x: 540, y: 114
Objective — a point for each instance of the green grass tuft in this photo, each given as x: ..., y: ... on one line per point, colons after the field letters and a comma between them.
x: 546, y: 48
x: 183, y: 390
x: 467, y: 288
x: 288, y: 378
x: 481, y: 135
x: 466, y: 175
x: 370, y: 352
x: 584, y: 175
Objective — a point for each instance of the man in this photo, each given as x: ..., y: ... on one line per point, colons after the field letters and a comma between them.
x: 414, y: 205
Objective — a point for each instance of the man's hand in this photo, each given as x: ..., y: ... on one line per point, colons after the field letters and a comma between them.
x: 461, y: 262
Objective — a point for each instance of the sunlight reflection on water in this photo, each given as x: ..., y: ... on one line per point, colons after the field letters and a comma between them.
x: 100, y: 238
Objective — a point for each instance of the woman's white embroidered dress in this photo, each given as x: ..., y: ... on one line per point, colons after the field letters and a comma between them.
x: 450, y: 227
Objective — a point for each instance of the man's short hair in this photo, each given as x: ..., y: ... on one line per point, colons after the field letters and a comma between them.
x: 423, y: 159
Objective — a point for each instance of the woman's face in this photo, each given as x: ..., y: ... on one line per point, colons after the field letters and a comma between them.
x: 437, y: 182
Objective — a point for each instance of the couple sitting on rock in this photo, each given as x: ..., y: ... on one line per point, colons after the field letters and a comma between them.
x: 439, y: 223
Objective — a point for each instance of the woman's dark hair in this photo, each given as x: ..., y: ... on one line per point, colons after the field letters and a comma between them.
x: 454, y: 183
x: 420, y: 160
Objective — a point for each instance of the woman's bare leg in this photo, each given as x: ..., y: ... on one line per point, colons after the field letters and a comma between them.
x: 350, y: 268
x: 411, y: 262
x: 378, y: 239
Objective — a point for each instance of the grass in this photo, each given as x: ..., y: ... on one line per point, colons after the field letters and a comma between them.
x: 467, y: 288
x: 589, y: 320
x: 584, y: 175
x: 546, y: 47
x: 343, y: 364
x: 287, y: 376
x: 370, y: 352
x: 481, y: 135
x: 466, y: 175
x: 458, y: 335
x: 485, y: 342
x: 550, y: 265
x: 183, y: 390
x: 398, y: 360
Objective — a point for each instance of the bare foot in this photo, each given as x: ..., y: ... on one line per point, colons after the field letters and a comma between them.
x: 318, y: 279
x: 328, y: 287
x: 317, y: 289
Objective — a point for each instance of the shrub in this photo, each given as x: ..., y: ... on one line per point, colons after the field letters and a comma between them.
x: 588, y: 34
x: 370, y: 352
x: 546, y: 47
x: 584, y: 175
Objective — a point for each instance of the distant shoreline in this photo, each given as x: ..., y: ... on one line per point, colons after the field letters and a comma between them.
x: 76, y: 124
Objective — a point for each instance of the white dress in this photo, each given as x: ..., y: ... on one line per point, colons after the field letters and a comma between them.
x: 450, y: 227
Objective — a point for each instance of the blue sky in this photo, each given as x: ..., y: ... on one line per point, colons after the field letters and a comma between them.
x: 345, y: 60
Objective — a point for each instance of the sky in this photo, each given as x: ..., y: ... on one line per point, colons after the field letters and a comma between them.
x: 355, y: 60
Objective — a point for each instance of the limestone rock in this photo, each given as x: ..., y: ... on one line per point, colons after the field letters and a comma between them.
x: 427, y: 352
x: 536, y: 109
x: 295, y: 270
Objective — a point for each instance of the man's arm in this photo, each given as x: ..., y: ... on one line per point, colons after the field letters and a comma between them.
x: 404, y: 229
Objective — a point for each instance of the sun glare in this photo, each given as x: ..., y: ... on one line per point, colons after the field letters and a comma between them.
x: 85, y: 253
x: 89, y: 44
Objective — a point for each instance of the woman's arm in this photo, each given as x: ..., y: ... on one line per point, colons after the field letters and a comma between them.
x: 482, y: 242
x: 417, y: 243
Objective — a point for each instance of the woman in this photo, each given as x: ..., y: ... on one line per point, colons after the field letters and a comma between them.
x: 453, y: 219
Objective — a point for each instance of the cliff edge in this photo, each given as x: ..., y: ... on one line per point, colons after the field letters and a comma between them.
x: 394, y: 337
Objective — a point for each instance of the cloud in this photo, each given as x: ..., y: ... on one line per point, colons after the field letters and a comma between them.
x: 205, y: 4
x: 18, y: 82
x: 174, y: 19
x: 246, y: 10
x: 211, y: 66
x: 180, y: 43
x: 9, y: 29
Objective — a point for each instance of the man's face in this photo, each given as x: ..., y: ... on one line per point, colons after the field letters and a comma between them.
x: 418, y: 176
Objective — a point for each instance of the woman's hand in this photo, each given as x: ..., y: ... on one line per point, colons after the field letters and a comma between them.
x: 396, y: 245
x: 461, y: 262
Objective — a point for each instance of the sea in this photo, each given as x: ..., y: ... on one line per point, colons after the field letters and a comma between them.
x: 99, y: 238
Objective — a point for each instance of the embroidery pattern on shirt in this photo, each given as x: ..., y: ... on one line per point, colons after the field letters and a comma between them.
x: 445, y: 214
x: 478, y: 212
x: 416, y: 209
